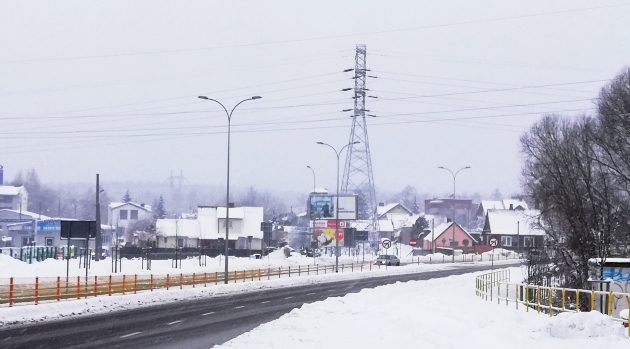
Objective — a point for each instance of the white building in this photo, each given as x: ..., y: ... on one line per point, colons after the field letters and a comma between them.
x: 125, y: 214
x: 13, y: 198
x: 209, y: 226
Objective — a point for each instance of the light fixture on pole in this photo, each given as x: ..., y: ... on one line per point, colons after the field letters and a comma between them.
x: 454, y: 175
x: 227, y: 199
x: 313, y: 171
x: 337, y: 153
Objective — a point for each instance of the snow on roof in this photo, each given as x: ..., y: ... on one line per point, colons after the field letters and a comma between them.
x: 177, y: 227
x: 115, y: 205
x: 513, y: 222
x: 33, y: 215
x: 440, y: 229
x: 515, y: 204
x: 491, y: 205
x: 381, y: 210
x: 10, y: 190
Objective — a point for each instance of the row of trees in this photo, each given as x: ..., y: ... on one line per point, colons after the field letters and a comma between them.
x: 577, y: 172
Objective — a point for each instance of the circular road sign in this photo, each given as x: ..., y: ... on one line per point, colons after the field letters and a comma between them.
x: 494, y: 242
x: 386, y: 243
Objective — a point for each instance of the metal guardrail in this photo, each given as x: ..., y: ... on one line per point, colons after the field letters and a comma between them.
x: 496, y: 286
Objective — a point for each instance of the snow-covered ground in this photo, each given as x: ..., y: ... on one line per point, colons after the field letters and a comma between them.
x: 24, y: 272
x: 28, y: 313
x: 437, y: 313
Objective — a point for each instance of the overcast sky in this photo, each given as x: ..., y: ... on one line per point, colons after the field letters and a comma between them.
x: 111, y: 86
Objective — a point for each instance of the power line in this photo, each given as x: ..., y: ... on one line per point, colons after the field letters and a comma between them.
x: 317, y: 38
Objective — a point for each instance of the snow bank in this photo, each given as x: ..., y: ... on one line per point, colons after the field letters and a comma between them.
x: 584, y: 325
x: 436, y: 313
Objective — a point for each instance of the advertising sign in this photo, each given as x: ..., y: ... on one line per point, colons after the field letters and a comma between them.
x: 326, y: 236
x: 322, y: 206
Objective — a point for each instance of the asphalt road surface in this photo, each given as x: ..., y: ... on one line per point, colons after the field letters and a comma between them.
x: 201, y: 323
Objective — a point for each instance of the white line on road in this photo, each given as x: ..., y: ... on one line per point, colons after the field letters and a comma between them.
x: 130, y: 334
x: 310, y: 294
x: 288, y: 297
x: 174, y: 322
x: 239, y: 307
x: 208, y: 313
x: 265, y: 302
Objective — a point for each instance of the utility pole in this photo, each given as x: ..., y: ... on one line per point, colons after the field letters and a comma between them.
x: 98, y: 242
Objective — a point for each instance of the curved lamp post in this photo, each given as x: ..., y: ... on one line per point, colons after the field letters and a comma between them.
x: 454, y: 175
x: 337, y: 153
x: 227, y: 199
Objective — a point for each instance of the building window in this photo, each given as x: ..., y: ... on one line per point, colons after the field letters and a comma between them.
x: 6, y: 199
x: 133, y: 215
x: 49, y: 241
x: 528, y: 241
x: 180, y: 242
x: 224, y: 224
x: 123, y: 215
x: 506, y: 241
x: 164, y: 240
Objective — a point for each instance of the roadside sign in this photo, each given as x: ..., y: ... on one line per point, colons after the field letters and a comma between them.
x: 494, y: 242
x: 386, y: 243
x: 412, y: 243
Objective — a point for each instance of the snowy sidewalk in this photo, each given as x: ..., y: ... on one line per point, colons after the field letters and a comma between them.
x: 436, y: 313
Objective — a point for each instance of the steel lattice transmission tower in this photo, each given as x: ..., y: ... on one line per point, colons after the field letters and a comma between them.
x: 358, y: 176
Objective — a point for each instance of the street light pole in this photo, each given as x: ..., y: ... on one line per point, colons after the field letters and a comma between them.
x: 227, y: 199
x: 313, y: 171
x: 337, y: 153
x: 454, y: 175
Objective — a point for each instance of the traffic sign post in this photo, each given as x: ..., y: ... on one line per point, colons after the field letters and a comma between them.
x: 493, y: 242
x: 386, y: 243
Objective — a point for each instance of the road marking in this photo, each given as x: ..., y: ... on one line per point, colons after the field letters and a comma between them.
x: 239, y: 307
x: 310, y: 294
x: 209, y: 313
x: 174, y: 322
x: 288, y: 297
x: 130, y: 334
x: 265, y: 302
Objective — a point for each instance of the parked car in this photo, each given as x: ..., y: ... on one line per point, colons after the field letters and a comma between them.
x: 313, y: 253
x: 387, y: 259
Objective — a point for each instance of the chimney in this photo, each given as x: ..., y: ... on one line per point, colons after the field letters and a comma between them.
x: 1, y: 175
x: 142, y: 204
x: 511, y: 207
x: 381, y: 204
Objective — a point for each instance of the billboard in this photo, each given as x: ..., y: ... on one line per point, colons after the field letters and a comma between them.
x: 78, y: 229
x: 326, y: 237
x: 322, y: 206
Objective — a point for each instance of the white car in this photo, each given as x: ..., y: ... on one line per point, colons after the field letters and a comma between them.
x: 387, y: 259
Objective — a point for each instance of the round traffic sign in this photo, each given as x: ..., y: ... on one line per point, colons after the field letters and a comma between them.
x: 386, y: 243
x: 494, y: 242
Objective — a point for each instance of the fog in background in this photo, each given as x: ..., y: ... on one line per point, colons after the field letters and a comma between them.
x: 111, y: 87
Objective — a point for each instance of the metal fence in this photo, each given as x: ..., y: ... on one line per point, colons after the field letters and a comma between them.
x: 496, y: 286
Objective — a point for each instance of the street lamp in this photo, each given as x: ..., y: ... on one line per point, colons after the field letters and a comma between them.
x: 227, y: 199
x: 454, y: 175
x: 337, y: 153
x: 313, y: 171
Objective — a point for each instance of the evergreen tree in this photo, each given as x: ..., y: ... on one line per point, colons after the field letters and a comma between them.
x: 127, y: 197
x: 159, y: 211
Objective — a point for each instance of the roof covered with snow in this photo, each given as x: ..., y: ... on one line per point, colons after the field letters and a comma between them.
x: 381, y: 210
x: 26, y: 214
x: 513, y: 222
x: 115, y: 205
x: 10, y: 190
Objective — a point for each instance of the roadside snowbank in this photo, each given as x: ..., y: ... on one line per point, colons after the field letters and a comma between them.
x: 436, y: 313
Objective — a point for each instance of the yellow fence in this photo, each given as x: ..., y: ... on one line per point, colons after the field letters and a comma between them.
x: 496, y: 286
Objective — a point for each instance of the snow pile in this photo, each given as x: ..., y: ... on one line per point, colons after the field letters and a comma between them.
x: 584, y: 325
x: 436, y: 313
